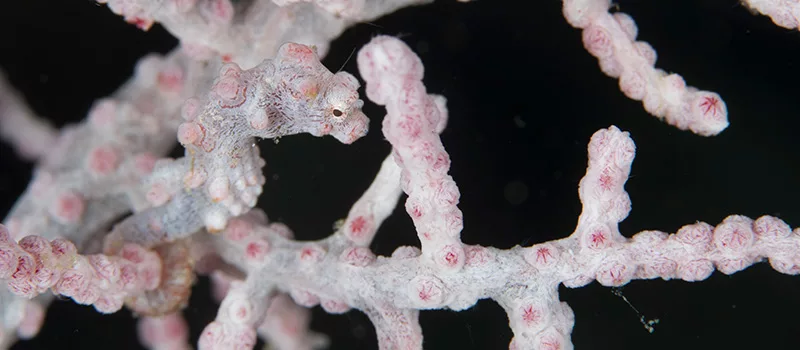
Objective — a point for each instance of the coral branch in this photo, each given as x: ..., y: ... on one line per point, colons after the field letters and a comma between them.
x: 242, y: 310
x: 414, y: 119
x: 75, y: 190
x: 248, y: 31
x: 785, y: 13
x: 374, y: 206
x: 169, y: 332
x: 612, y: 39
x: 30, y: 135
x: 36, y: 265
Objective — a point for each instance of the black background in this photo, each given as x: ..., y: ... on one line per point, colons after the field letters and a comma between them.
x: 501, y: 64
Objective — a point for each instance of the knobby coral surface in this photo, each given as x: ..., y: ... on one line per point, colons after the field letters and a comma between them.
x: 502, y: 112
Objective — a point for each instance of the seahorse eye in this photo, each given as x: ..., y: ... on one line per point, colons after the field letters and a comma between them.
x: 337, y: 113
